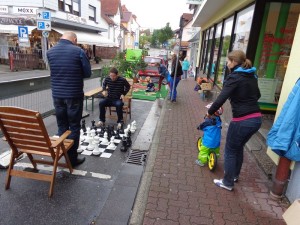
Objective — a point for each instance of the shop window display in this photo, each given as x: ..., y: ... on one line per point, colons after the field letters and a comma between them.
x: 216, y: 50
x: 273, y: 49
x: 242, y: 29
x: 224, y: 50
x: 209, y: 49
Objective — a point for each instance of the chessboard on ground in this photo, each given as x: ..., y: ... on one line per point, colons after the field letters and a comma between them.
x: 103, y: 141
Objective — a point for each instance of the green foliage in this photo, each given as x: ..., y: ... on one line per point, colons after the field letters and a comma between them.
x: 127, y: 69
x: 162, y: 35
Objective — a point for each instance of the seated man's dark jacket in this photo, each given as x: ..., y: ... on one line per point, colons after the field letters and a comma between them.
x: 69, y: 65
x: 116, y: 88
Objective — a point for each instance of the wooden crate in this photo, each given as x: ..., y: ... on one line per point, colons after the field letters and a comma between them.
x: 206, y: 87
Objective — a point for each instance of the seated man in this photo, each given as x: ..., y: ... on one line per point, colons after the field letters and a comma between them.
x: 114, y: 90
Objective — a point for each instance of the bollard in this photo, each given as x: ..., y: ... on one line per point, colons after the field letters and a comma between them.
x: 281, y: 177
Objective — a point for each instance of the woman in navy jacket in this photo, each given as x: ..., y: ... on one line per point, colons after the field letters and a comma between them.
x: 241, y: 88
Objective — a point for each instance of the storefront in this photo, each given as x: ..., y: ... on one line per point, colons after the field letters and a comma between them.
x: 265, y: 31
x: 269, y: 33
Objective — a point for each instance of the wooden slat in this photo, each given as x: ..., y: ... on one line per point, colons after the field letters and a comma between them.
x: 28, y: 119
x: 16, y: 123
x: 24, y: 131
x: 29, y: 151
x: 30, y: 175
x: 27, y: 136
x: 29, y: 142
x: 93, y: 92
x: 17, y: 111
x: 31, y: 147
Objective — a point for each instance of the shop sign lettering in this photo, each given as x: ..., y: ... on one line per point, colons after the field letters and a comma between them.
x: 3, y: 9
x: 24, y: 10
x: 76, y: 19
x: 17, y: 21
x: 270, y: 40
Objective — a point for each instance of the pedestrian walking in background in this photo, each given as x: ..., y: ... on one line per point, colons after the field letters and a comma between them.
x: 241, y: 87
x: 175, y: 79
x: 114, y: 90
x: 185, y: 68
x: 69, y: 65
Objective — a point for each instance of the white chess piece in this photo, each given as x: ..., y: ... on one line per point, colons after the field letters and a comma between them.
x: 133, y: 127
x: 112, y: 143
x: 105, y: 140
x: 82, y: 135
x: 88, y: 131
x: 93, y: 133
x: 96, y: 150
x: 97, y: 139
x: 91, y: 146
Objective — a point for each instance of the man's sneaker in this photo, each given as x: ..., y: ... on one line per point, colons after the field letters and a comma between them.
x: 219, y: 183
x: 199, y: 163
x: 100, y: 124
x: 236, y: 179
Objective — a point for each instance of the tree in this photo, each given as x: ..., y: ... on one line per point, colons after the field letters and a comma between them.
x: 161, y: 36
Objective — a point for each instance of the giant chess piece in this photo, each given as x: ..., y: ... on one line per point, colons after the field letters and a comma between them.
x: 112, y: 144
x: 93, y: 127
x: 121, y: 130
x: 105, y: 140
x: 83, y: 126
x: 133, y: 127
x: 124, y: 147
x: 129, y: 141
x: 118, y: 134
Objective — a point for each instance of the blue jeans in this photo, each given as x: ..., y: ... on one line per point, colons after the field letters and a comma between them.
x: 118, y: 103
x: 173, y: 97
x: 184, y: 75
x: 68, y: 117
x: 237, y: 136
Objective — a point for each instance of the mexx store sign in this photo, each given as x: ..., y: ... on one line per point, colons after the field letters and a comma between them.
x: 24, y: 10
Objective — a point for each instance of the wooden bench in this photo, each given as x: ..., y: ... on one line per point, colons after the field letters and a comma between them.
x: 90, y: 95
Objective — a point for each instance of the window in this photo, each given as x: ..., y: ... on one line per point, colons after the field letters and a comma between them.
x: 69, y: 6
x: 209, y: 49
x: 273, y: 50
x: 61, y: 5
x: 216, y: 51
x: 224, y: 50
x: 242, y: 29
x: 92, y: 13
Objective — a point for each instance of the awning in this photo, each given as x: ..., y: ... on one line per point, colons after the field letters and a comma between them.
x: 89, y: 38
x: 13, y: 29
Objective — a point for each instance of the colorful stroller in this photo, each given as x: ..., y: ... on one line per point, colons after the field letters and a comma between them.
x: 209, y: 144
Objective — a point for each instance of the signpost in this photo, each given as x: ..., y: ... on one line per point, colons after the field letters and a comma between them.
x: 43, y: 20
x: 44, y: 23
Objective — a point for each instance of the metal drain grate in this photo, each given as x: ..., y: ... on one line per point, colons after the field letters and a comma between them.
x: 137, y: 157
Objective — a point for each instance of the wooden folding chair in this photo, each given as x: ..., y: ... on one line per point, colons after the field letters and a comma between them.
x: 25, y: 132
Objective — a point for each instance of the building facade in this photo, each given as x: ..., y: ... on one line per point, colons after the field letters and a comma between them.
x: 267, y: 31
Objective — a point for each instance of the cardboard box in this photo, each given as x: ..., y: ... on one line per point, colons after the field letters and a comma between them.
x: 292, y: 215
x: 206, y: 87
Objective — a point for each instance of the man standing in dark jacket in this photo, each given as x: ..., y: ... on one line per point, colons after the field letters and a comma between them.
x: 69, y: 65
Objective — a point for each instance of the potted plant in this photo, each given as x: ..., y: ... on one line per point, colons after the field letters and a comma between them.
x: 97, y: 59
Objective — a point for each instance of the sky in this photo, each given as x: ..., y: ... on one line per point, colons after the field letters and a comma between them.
x: 157, y: 13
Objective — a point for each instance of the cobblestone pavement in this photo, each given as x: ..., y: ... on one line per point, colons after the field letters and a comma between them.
x: 183, y: 193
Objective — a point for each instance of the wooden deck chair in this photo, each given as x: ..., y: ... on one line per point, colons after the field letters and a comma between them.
x: 25, y: 132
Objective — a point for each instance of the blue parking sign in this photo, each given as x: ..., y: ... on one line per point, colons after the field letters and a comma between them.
x: 23, y: 34
x: 46, y: 15
x: 41, y: 25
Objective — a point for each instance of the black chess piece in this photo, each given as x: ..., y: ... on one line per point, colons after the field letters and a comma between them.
x: 118, y: 134
x: 121, y: 129
x: 83, y: 126
x: 124, y: 147
x: 128, y: 141
x: 101, y: 133
x: 93, y: 127
x: 109, y: 133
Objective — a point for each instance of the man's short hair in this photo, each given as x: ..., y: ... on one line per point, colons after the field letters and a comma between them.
x: 114, y: 70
